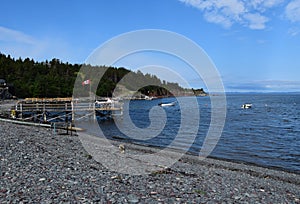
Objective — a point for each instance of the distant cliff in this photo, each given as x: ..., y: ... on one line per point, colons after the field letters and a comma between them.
x: 199, y: 92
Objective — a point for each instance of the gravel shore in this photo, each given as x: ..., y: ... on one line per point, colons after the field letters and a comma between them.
x: 40, y: 166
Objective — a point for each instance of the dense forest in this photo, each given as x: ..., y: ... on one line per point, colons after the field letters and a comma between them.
x: 28, y: 78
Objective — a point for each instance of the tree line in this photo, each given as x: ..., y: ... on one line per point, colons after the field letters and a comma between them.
x: 28, y: 78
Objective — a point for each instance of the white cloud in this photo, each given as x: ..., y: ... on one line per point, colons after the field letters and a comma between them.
x: 231, y: 8
x: 292, y: 11
x: 271, y: 3
x: 220, y: 12
x: 199, y: 4
x: 250, y: 13
x: 9, y: 35
x: 256, y: 21
x: 294, y: 31
x: 214, y: 17
x: 263, y: 86
x: 19, y: 44
x: 281, y: 85
x: 263, y: 5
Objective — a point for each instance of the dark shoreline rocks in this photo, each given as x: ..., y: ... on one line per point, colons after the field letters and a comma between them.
x: 39, y: 166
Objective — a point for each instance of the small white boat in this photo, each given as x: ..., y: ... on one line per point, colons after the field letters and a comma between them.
x: 149, y: 98
x: 246, y: 106
x: 167, y: 104
x: 105, y: 101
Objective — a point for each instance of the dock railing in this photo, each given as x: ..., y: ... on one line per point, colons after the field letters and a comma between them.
x: 66, y: 108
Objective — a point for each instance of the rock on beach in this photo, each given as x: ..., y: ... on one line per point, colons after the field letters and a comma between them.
x: 39, y: 166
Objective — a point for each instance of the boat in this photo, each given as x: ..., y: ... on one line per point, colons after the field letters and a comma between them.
x: 167, y: 104
x: 246, y: 106
x: 149, y: 98
x: 104, y: 101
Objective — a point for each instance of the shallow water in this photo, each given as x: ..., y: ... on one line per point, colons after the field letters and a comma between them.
x: 268, y: 134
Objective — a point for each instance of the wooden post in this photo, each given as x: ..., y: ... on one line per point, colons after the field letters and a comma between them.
x: 94, y: 109
x: 66, y: 118
x: 73, y: 114
x: 44, y: 117
x: 44, y: 113
x: 21, y: 111
x: 36, y: 112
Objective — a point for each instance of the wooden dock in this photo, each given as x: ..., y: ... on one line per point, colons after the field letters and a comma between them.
x: 62, y: 109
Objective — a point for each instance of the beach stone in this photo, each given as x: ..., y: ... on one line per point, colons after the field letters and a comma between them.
x: 132, y: 198
x: 49, y: 168
x: 42, y: 179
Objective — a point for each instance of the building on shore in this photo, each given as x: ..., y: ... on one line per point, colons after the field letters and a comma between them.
x: 4, y: 90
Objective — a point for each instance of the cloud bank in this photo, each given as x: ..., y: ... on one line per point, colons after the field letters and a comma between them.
x: 9, y: 35
x: 292, y: 11
x: 264, y: 86
x: 17, y: 43
x: 253, y: 14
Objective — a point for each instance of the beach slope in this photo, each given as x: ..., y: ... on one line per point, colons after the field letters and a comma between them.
x: 40, y: 166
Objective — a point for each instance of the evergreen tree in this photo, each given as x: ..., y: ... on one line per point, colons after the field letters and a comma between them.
x: 56, y: 79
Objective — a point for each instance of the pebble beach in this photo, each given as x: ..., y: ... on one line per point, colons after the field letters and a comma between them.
x: 39, y: 165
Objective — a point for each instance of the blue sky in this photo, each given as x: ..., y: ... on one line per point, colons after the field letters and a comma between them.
x: 254, y: 44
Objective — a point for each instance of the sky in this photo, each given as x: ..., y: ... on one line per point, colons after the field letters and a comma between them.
x: 254, y: 44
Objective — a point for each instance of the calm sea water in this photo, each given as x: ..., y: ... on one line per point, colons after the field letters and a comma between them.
x: 268, y: 134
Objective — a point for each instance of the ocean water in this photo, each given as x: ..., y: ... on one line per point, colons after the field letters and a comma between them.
x: 268, y: 134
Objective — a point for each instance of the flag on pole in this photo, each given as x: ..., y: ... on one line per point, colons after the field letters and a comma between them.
x: 86, y: 82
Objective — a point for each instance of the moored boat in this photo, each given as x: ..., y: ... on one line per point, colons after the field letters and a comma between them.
x: 167, y: 104
x: 246, y: 106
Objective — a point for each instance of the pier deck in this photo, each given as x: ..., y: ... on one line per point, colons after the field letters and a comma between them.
x: 33, y: 108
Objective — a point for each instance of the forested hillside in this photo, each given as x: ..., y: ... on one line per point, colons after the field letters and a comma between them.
x: 56, y: 79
